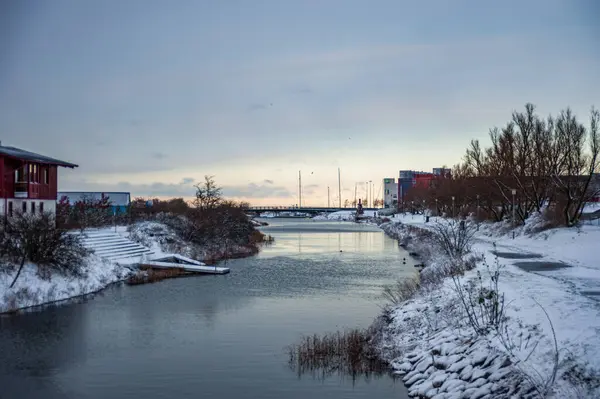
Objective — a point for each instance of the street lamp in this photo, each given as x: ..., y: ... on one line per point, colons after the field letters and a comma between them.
x: 477, y: 207
x: 514, y: 192
x: 453, y: 206
x: 437, y: 210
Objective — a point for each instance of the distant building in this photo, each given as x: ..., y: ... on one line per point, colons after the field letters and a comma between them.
x: 390, y: 193
x: 28, y: 181
x: 119, y: 201
x: 410, y: 178
x: 442, y: 172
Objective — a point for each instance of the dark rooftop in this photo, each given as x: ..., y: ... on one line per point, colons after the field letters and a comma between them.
x: 33, y: 157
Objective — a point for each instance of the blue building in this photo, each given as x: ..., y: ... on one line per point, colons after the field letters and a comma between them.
x: 119, y: 201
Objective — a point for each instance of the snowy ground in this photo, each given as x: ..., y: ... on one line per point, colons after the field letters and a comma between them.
x: 31, y: 290
x: 428, y: 340
x: 342, y: 215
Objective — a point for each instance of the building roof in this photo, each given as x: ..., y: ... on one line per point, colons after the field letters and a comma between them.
x: 18, y: 153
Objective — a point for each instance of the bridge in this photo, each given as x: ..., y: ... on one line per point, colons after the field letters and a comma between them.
x: 309, y: 210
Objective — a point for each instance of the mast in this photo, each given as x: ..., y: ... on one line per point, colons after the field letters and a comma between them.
x: 340, y: 188
x: 299, y: 189
x: 355, y: 203
x: 328, y: 206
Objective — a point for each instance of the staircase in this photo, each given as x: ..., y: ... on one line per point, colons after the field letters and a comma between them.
x: 112, y: 246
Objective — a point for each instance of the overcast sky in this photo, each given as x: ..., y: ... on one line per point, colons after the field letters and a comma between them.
x: 149, y: 96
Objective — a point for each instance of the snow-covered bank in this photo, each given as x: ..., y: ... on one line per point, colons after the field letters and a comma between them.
x: 31, y: 290
x: 342, y: 215
x: 430, y: 340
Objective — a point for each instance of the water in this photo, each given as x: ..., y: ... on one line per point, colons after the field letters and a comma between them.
x: 212, y: 336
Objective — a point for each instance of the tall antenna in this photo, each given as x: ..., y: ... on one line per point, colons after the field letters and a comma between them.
x: 299, y: 189
x: 340, y: 188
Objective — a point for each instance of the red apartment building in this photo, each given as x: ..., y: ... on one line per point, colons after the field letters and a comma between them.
x: 28, y: 181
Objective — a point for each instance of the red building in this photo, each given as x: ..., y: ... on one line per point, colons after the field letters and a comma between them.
x: 28, y: 181
x: 423, y: 179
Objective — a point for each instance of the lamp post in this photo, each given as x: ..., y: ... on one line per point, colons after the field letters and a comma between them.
x: 437, y: 210
x: 514, y: 192
x: 453, y: 206
x: 477, y: 207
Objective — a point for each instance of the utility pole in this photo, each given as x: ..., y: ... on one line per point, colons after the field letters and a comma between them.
x: 340, y: 188
x: 328, y: 197
x: 299, y: 189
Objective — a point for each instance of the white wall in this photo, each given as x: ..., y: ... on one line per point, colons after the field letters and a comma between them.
x: 390, y: 193
x: 49, y: 205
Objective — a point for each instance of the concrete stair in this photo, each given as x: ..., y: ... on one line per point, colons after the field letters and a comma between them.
x: 112, y: 246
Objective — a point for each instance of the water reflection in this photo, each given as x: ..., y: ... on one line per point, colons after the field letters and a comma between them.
x: 347, y: 354
x: 213, y: 336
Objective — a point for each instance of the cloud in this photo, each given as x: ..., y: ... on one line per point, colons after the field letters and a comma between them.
x: 268, y: 181
x: 253, y: 190
x: 257, y: 107
x: 159, y: 155
x: 187, y: 181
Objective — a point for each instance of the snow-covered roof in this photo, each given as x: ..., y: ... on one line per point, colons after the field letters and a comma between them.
x: 18, y: 153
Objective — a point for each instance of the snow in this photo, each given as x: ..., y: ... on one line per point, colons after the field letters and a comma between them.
x: 342, y: 215
x: 31, y: 290
x: 429, y: 341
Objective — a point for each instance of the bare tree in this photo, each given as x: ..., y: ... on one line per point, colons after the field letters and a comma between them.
x: 208, y: 194
x: 575, y: 169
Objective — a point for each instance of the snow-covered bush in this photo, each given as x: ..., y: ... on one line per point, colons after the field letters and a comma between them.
x: 36, y: 239
x: 482, y: 301
x: 454, y: 237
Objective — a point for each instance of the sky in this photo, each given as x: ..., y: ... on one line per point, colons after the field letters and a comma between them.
x: 149, y: 96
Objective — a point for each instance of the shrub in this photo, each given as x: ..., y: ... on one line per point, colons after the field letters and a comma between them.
x: 35, y: 238
x: 483, y: 304
x: 454, y: 237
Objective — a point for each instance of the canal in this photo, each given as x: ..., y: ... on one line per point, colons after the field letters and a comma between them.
x: 212, y: 336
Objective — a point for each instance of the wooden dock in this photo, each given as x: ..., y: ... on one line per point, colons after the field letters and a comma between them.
x: 178, y: 262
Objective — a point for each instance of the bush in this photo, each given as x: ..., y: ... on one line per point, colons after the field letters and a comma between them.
x: 36, y: 239
x: 483, y: 304
x: 454, y: 237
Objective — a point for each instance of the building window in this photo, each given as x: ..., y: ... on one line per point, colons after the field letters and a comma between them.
x: 20, y: 174
x: 41, y: 207
x: 24, y: 206
x: 10, y: 208
x: 33, y: 207
x: 45, y: 175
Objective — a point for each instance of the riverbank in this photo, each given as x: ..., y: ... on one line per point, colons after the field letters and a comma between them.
x: 31, y: 289
x: 542, y: 340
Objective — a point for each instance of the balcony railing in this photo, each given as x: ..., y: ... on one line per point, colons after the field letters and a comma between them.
x: 21, y: 190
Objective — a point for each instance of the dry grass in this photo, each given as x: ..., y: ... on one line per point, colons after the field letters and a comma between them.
x: 349, y: 353
x: 148, y: 276
x: 401, y: 291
